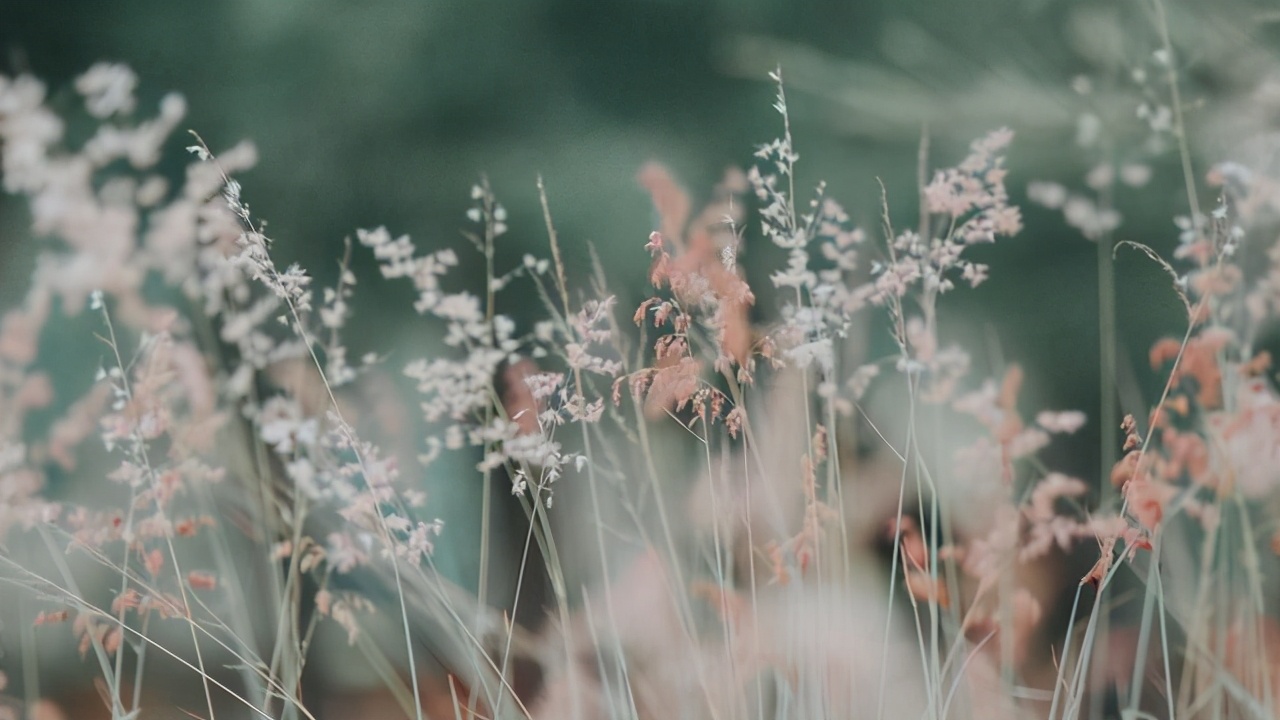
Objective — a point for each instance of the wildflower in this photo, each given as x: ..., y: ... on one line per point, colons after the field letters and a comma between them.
x: 1186, y: 454
x: 1061, y: 422
x: 129, y: 600
x: 1047, y: 492
x: 188, y: 527
x: 111, y: 641
x: 1248, y: 439
x: 419, y: 543
x: 1125, y: 468
x: 49, y: 618
x: 1102, y: 567
x: 1146, y: 499
x: 1049, y: 194
x: 672, y: 385
x: 324, y: 602
x: 344, y: 554
x: 1129, y: 427
x: 861, y: 379
x: 1135, y: 174
x: 734, y: 421
x: 697, y: 273
x: 108, y: 89
x: 200, y: 580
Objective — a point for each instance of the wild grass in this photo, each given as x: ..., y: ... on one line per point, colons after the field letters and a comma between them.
x: 735, y: 512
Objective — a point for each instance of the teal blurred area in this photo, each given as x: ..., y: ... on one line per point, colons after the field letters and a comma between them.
x: 385, y: 112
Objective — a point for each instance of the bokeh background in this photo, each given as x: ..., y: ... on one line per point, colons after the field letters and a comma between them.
x: 386, y: 112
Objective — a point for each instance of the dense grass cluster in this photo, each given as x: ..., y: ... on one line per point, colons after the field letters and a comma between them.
x: 734, y: 508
